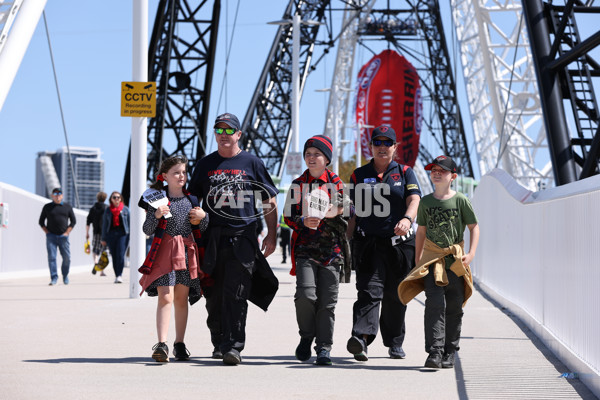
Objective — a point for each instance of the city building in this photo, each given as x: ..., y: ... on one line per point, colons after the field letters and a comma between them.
x: 80, y: 180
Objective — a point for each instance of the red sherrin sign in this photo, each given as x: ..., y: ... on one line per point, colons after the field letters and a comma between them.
x: 389, y: 93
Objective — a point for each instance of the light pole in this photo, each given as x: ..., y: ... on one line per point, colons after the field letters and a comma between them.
x: 335, y: 135
x: 296, y: 81
x: 359, y: 142
x: 295, y: 21
x: 139, y: 139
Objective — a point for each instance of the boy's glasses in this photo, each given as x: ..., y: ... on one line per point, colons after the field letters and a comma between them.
x: 386, y: 143
x: 229, y: 131
x: 56, y: 193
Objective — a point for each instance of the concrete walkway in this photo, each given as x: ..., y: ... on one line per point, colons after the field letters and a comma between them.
x: 88, y: 340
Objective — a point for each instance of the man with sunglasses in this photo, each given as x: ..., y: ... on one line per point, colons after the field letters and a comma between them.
x: 386, y: 196
x: 230, y: 182
x: 57, y: 221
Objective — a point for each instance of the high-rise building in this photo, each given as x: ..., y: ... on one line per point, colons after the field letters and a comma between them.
x: 86, y: 174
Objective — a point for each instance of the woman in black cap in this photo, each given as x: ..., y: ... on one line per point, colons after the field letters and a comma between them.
x: 386, y: 196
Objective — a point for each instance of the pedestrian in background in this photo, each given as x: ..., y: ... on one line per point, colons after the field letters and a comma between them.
x: 386, y: 197
x: 442, y: 267
x: 317, y: 249
x: 94, y: 218
x: 284, y: 239
x: 57, y: 221
x: 115, y: 232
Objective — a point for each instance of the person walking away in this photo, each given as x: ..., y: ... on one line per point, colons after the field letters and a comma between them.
x: 284, y: 239
x: 94, y: 218
x: 317, y: 249
x: 386, y: 196
x: 57, y: 220
x: 442, y: 267
x: 115, y: 232
x: 230, y: 181
x: 174, y: 271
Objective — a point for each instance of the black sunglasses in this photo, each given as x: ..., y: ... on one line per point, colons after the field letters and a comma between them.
x: 115, y: 197
x: 386, y: 143
x: 56, y: 193
x: 229, y: 131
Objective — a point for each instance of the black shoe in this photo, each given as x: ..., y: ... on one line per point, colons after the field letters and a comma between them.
x: 303, y: 351
x: 358, y: 347
x: 180, y: 352
x: 216, y: 354
x: 434, y: 360
x: 94, y: 270
x: 161, y: 352
x: 396, y: 352
x: 232, y: 357
x: 323, y: 357
x: 448, y: 360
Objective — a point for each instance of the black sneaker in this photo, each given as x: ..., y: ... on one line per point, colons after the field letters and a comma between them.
x: 358, y: 347
x: 94, y: 270
x: 396, y: 352
x: 323, y: 357
x: 216, y: 354
x: 180, y: 352
x: 303, y: 351
x: 161, y: 352
x: 448, y: 360
x: 232, y: 357
x: 434, y: 360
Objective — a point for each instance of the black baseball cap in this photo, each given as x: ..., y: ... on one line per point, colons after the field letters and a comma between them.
x: 230, y: 120
x: 444, y: 162
x: 385, y: 131
x: 56, y: 190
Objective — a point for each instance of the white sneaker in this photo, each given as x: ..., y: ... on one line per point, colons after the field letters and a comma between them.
x: 119, y: 280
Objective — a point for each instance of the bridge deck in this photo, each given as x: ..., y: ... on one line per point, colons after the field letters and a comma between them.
x: 89, y: 340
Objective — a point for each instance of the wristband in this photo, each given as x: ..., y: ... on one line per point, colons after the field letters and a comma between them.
x: 408, y: 218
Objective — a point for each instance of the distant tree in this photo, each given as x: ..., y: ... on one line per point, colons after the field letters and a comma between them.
x: 347, y: 167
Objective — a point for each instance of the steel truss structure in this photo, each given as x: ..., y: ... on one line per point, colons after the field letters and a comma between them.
x: 502, y: 90
x: 565, y: 70
x: 181, y: 61
x: 516, y: 120
x: 421, y: 21
x: 267, y: 123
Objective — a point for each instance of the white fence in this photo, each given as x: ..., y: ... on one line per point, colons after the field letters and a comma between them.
x: 539, y: 255
x: 23, y: 243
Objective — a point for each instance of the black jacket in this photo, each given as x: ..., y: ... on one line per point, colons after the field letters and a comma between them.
x: 94, y: 217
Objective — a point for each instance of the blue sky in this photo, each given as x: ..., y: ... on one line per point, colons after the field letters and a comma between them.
x: 91, y: 42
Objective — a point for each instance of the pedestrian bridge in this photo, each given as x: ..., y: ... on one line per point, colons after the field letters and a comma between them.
x: 533, y: 318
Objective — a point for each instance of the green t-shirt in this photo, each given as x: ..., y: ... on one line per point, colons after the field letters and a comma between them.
x: 446, y: 220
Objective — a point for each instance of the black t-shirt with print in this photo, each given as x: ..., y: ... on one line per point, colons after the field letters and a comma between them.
x: 232, y: 188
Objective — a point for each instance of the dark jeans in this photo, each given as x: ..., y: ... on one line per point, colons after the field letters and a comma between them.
x: 117, y: 242
x: 380, y: 269
x: 62, y: 242
x: 443, y: 313
x: 227, y: 299
x: 316, y: 295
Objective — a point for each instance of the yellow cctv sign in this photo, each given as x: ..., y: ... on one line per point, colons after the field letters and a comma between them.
x: 138, y: 99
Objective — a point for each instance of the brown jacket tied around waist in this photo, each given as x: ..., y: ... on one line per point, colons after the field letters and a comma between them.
x: 414, y: 284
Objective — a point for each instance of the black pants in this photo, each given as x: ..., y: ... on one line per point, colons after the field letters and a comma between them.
x: 226, y: 301
x: 380, y: 269
x: 284, y: 242
x: 443, y: 313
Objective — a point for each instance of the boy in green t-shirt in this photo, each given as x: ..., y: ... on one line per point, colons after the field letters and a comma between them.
x: 442, y: 217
